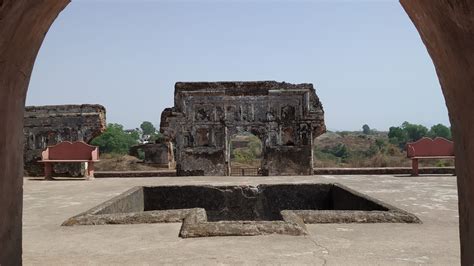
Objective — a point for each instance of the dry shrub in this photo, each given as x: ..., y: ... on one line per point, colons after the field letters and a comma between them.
x: 117, y: 162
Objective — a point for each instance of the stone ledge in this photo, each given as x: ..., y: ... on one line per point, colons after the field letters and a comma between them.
x: 119, y: 174
x: 383, y: 171
x: 316, y: 171
x: 196, y: 225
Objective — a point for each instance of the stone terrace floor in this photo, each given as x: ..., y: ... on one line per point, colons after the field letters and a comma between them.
x: 432, y: 198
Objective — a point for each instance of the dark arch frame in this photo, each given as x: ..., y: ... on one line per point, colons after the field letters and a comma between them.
x: 446, y: 27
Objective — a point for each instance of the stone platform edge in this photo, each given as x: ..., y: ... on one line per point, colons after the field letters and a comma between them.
x: 115, y: 174
x: 383, y: 171
x: 316, y: 171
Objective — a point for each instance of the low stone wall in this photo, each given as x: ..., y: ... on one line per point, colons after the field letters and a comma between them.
x: 316, y: 171
x: 125, y: 174
x: 383, y: 171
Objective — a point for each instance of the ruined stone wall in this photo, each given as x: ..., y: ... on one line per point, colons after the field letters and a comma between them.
x: 160, y: 154
x: 48, y: 125
x: 288, y: 160
x: 286, y: 117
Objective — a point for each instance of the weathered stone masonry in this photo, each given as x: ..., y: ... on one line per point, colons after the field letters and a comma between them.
x: 286, y: 118
x: 159, y: 153
x: 48, y: 125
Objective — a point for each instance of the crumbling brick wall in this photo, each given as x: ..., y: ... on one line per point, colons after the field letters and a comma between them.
x: 48, y: 125
x: 286, y: 117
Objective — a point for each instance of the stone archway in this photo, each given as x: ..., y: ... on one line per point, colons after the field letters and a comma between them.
x: 286, y: 117
x: 446, y: 27
x: 23, y: 25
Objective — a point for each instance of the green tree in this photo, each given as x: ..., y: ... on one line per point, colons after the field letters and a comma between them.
x: 340, y: 150
x: 135, y: 134
x: 406, y: 133
x: 414, y: 132
x: 397, y: 136
x: 147, y: 128
x: 115, y: 140
x: 157, y: 137
x: 440, y: 130
x: 366, y: 129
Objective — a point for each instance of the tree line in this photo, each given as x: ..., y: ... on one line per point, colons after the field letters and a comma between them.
x: 408, y: 132
x: 115, y: 139
x: 372, y: 148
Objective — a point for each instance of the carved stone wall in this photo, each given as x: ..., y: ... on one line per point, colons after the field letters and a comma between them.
x: 286, y: 117
x: 48, y: 125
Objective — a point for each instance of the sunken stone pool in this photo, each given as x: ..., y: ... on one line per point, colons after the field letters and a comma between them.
x: 242, y: 210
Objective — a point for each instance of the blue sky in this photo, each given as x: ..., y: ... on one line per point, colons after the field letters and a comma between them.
x: 365, y: 58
